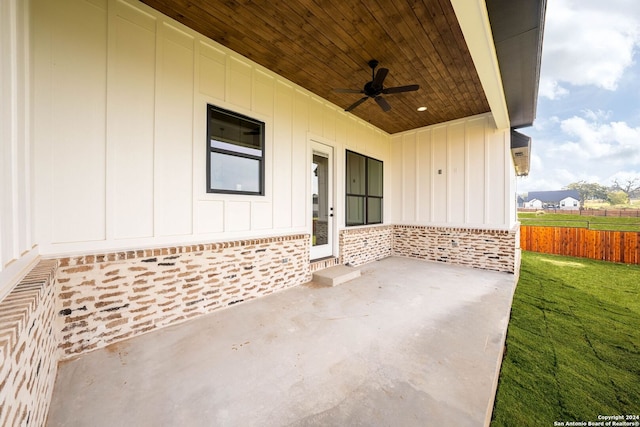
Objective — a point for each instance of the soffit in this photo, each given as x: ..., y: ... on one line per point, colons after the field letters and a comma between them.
x: 326, y: 44
x: 518, y: 27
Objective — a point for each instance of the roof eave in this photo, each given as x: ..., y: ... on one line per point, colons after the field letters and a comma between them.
x: 518, y: 28
x: 474, y: 22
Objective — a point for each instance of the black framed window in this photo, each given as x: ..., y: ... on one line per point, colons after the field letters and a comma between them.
x: 364, y: 190
x: 235, y: 153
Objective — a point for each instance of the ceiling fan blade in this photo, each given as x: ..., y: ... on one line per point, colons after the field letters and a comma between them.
x: 383, y: 103
x: 399, y: 89
x: 348, y: 90
x: 360, y: 101
x: 379, y: 78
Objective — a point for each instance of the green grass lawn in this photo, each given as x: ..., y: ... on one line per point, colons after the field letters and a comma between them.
x: 573, y: 343
x: 582, y: 221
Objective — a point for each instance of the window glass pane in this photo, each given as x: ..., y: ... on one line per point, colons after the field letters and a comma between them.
x: 374, y: 210
x: 375, y: 177
x: 227, y: 127
x: 355, y: 174
x: 320, y: 190
x: 355, y: 210
x: 233, y: 173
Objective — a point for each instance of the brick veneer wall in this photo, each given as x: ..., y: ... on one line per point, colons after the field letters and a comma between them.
x: 28, y: 348
x: 111, y: 297
x: 364, y: 244
x: 478, y: 248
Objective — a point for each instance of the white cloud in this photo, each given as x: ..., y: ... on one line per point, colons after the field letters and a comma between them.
x: 588, y: 146
x: 551, y: 88
x: 588, y: 43
x: 596, y: 115
x: 591, y: 140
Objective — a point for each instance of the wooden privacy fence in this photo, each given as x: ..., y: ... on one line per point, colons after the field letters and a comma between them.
x: 614, y: 246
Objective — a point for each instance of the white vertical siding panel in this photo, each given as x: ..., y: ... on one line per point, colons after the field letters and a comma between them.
x: 17, y: 253
x: 369, y: 142
x: 394, y: 168
x: 409, y: 177
x: 282, y: 157
x: 210, y: 216
x: 79, y: 125
x: 496, y: 185
x: 237, y: 216
x: 173, y: 136
x: 341, y: 128
x: 382, y: 144
x: 131, y: 131
x: 511, y: 208
x: 238, y: 82
x: 316, y: 116
x: 329, y: 122
x: 261, y: 216
x: 440, y: 173
x: 362, y: 141
x: 42, y: 23
x: 388, y: 181
x: 8, y: 132
x: 262, y: 98
x: 351, y: 136
x: 475, y: 166
x: 212, y: 73
x: 299, y: 159
x: 456, y: 176
x: 22, y: 230
x: 425, y: 173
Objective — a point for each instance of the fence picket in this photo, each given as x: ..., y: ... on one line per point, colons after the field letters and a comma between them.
x: 614, y: 246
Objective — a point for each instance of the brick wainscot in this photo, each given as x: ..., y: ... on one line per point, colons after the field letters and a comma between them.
x: 110, y: 297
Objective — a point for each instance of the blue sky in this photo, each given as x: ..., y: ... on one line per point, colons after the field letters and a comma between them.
x: 588, y: 118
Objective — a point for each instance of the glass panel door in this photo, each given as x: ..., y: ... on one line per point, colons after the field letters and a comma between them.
x: 321, y: 201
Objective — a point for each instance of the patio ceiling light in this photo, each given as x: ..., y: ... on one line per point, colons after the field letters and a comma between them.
x: 422, y: 108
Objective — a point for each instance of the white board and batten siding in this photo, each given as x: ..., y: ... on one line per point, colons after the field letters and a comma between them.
x: 17, y: 245
x: 456, y: 174
x: 120, y: 132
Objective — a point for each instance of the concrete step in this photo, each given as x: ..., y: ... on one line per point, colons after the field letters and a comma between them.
x: 335, y: 275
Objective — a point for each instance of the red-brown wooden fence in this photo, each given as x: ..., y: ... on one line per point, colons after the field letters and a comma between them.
x: 614, y: 246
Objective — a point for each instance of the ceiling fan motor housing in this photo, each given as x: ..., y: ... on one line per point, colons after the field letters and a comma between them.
x: 372, y: 91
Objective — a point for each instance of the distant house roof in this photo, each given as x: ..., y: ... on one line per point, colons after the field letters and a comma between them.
x: 552, y: 196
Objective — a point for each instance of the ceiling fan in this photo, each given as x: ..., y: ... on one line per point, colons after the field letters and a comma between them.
x: 375, y: 88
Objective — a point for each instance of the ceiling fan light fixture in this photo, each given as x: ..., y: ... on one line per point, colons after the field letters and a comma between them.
x: 375, y: 88
x: 422, y: 108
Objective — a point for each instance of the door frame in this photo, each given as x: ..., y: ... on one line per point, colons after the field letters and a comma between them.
x: 317, y: 145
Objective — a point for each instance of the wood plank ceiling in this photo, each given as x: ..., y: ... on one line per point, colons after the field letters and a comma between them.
x: 326, y: 44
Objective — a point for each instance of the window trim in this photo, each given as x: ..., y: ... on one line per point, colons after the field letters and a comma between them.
x: 210, y: 150
x: 366, y: 195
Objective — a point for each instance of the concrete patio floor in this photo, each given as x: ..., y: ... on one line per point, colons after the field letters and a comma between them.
x: 409, y: 343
